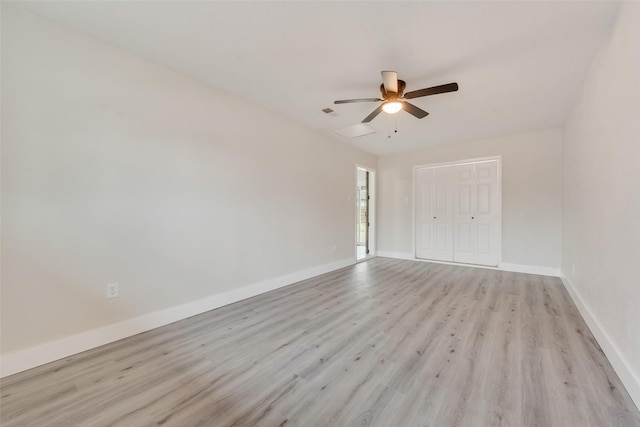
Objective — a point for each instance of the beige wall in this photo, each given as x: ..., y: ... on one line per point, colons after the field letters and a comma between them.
x: 118, y: 170
x: 601, y: 195
x: 531, y: 196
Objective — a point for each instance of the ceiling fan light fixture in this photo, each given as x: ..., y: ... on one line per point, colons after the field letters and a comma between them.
x: 392, y: 107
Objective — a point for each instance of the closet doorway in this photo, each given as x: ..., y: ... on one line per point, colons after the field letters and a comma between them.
x: 457, y: 213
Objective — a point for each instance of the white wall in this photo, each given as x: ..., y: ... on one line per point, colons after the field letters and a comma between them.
x: 531, y: 196
x: 601, y: 198
x: 118, y: 170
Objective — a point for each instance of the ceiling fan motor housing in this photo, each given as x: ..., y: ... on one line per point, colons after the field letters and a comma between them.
x: 386, y: 95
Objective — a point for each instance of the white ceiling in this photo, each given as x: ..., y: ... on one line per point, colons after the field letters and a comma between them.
x: 520, y: 65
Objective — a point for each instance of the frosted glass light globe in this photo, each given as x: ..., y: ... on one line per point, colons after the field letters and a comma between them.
x: 392, y: 107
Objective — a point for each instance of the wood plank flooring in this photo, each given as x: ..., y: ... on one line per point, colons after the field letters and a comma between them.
x: 382, y: 343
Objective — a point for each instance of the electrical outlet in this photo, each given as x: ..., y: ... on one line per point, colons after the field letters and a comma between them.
x: 112, y: 290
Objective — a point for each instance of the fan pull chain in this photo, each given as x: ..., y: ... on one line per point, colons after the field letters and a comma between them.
x: 395, y: 128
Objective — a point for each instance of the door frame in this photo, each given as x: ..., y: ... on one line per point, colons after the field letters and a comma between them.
x: 456, y: 163
x: 372, y: 212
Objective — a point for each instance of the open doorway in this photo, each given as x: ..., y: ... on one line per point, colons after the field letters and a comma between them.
x: 365, y: 236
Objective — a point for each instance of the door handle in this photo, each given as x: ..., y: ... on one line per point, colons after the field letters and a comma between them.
x: 472, y: 217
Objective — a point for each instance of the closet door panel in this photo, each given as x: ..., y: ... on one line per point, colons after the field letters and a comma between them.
x: 484, y: 239
x: 464, y: 193
x: 443, y: 238
x: 486, y: 213
x: 443, y: 215
x: 424, y: 223
x: 434, y: 228
x: 484, y: 199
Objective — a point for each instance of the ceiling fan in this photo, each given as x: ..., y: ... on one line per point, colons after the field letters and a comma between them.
x: 393, y: 96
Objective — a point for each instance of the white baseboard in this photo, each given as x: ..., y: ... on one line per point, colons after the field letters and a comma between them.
x: 531, y: 269
x: 630, y: 379
x: 397, y: 255
x: 517, y: 268
x: 39, y: 355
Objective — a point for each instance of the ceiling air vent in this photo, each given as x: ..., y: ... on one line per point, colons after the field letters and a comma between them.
x: 329, y: 111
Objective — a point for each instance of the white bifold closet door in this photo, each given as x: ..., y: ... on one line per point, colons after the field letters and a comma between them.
x: 457, y: 216
x: 475, y: 213
x: 434, y: 213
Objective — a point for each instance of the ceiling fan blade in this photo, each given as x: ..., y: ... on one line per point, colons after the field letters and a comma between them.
x: 450, y: 87
x: 390, y: 81
x: 372, y: 115
x: 413, y: 110
x: 348, y: 101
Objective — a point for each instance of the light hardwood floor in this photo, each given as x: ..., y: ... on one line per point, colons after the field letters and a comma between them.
x: 385, y: 343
